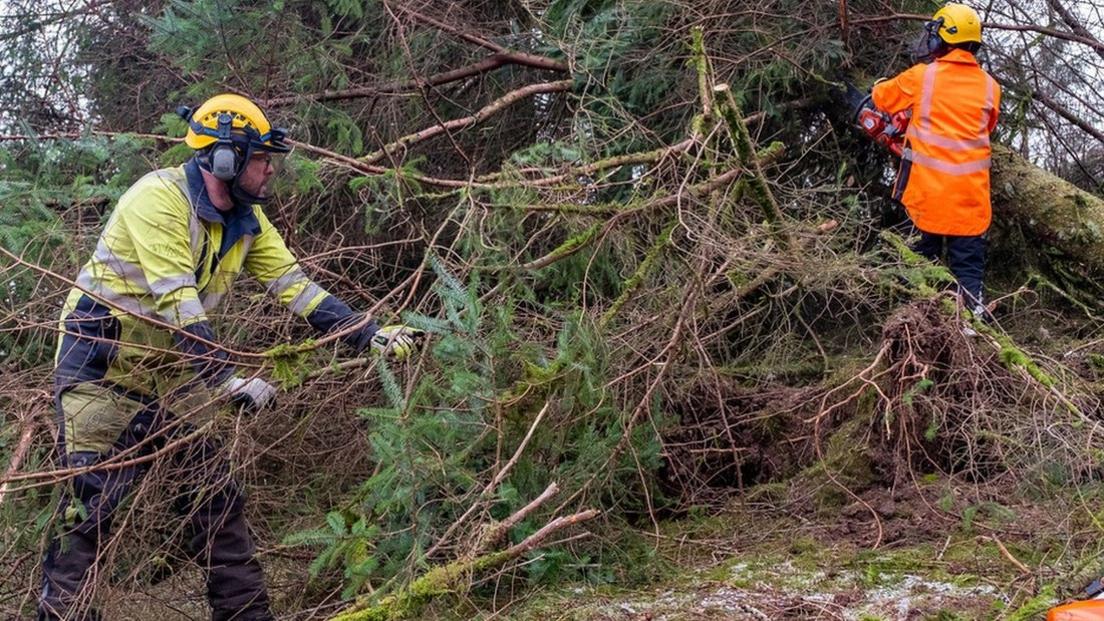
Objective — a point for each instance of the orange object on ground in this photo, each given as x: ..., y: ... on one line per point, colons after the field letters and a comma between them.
x: 1088, y: 610
x: 944, y: 176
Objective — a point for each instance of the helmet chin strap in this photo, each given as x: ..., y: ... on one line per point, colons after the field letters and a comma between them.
x: 243, y: 198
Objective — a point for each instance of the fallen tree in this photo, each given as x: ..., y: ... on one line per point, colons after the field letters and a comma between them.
x: 621, y: 279
x: 1055, y: 211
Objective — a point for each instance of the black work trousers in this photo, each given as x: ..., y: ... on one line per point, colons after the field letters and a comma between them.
x: 965, y: 257
x: 218, y: 536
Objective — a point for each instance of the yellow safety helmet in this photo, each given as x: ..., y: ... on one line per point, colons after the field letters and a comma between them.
x: 245, y: 119
x: 961, y: 24
x: 235, y: 127
x: 954, y: 24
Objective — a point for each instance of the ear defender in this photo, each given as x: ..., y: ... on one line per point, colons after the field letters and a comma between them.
x: 930, y: 44
x: 224, y: 157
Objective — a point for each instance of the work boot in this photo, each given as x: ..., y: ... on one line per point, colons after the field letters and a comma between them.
x: 71, y: 610
x: 981, y: 312
x: 975, y: 303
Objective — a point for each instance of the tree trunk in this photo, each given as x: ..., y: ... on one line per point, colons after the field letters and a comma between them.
x: 1057, y: 212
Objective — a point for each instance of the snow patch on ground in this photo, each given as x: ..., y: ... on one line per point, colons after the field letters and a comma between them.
x: 760, y: 589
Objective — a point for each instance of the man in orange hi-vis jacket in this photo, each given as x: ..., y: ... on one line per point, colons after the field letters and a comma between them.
x: 944, y: 176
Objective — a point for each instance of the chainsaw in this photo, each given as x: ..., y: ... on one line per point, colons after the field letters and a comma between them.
x: 884, y: 129
x: 1089, y: 607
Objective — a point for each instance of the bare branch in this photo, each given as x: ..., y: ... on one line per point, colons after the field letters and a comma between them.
x: 1075, y: 25
x: 530, y: 60
x: 502, y: 102
x: 486, y: 65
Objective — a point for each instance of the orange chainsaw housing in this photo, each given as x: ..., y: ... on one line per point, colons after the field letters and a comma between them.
x: 885, y: 130
x: 1088, y: 610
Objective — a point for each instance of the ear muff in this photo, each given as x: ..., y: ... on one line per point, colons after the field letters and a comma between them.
x: 223, y: 159
x: 929, y: 44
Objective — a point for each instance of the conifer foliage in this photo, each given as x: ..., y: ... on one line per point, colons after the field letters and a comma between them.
x: 649, y: 253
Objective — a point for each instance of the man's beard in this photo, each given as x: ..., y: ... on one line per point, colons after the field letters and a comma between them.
x: 245, y: 198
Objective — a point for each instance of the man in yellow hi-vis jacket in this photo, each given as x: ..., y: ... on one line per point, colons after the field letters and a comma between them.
x: 138, y: 366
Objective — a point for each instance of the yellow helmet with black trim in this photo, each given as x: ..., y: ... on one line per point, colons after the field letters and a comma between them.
x: 232, y: 117
x: 961, y: 24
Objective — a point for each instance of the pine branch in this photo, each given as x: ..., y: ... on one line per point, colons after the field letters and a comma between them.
x: 531, y: 60
x: 451, y: 578
x: 1068, y: 115
x: 29, y: 425
x: 486, y: 65
x: 1050, y: 32
x: 1076, y: 26
x: 757, y: 183
x: 644, y: 157
x: 493, y: 485
x: 46, y: 23
x: 583, y: 240
x: 490, y: 109
x: 628, y: 289
x: 76, y: 135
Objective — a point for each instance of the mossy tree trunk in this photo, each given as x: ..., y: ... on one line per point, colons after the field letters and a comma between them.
x: 1055, y: 211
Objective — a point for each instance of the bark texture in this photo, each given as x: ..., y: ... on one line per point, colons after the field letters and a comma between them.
x: 1058, y: 213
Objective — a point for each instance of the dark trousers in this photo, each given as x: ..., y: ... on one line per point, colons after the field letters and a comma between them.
x: 218, y: 536
x: 965, y: 257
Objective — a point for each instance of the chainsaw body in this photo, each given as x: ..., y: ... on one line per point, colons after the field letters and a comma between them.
x: 884, y: 129
x: 1089, y: 608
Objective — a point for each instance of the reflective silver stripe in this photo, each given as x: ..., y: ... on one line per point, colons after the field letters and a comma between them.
x: 172, y: 283
x: 932, y: 138
x: 88, y: 283
x: 185, y: 311
x: 195, y: 232
x: 211, y: 300
x: 126, y: 270
x: 921, y: 130
x: 927, y: 91
x: 299, y: 303
x: 282, y: 283
x: 133, y: 274
x: 964, y: 168
x: 247, y: 243
x: 188, y: 309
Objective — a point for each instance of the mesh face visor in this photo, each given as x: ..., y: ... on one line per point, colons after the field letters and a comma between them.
x: 929, y: 43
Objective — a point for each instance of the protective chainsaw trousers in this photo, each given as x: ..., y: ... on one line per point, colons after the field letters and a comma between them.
x: 965, y: 258
x: 218, y: 538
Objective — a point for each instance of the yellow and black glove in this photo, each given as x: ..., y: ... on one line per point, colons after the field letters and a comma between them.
x: 397, y: 341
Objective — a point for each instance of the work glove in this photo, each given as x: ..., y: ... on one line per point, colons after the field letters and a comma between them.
x: 253, y: 393
x: 361, y: 338
x: 396, y: 341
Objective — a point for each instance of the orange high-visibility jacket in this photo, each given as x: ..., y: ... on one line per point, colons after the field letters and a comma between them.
x: 944, y: 176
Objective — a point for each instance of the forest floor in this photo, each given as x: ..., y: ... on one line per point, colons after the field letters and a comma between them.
x: 760, y: 562
x: 849, y: 546
x: 890, y: 555
x: 927, y: 547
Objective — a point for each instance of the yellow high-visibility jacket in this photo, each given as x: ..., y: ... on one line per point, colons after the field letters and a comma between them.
x: 166, y: 253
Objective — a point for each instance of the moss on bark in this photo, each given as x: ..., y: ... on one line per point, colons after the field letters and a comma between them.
x: 1057, y: 212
